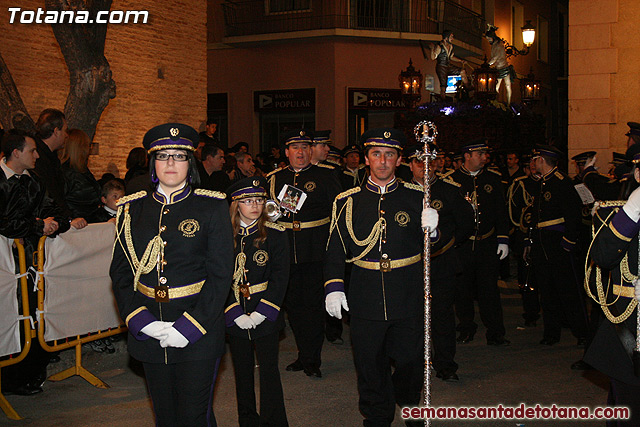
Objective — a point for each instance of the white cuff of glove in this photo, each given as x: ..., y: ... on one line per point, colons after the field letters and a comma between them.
x: 503, y: 250
x: 429, y: 220
x: 632, y: 207
x: 257, y: 317
x: 153, y: 328
x: 335, y: 302
x: 171, y: 337
x: 245, y: 322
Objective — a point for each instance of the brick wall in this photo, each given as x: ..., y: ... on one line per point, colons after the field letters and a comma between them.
x: 603, y: 83
x: 172, y: 43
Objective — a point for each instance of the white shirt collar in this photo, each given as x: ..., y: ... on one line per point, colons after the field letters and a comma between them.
x: 8, y: 171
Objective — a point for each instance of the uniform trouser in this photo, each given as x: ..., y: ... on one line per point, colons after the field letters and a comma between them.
x: 622, y: 394
x: 272, y: 411
x: 530, y: 297
x: 479, y: 279
x: 443, y: 322
x: 559, y: 296
x: 304, y: 303
x: 375, y: 344
x: 182, y: 393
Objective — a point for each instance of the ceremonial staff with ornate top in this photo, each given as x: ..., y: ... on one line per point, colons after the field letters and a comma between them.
x: 426, y: 133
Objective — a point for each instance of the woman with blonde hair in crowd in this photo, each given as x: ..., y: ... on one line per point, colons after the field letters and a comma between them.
x: 252, y: 313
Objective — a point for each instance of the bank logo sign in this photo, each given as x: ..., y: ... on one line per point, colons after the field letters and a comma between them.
x: 284, y: 100
x: 376, y: 99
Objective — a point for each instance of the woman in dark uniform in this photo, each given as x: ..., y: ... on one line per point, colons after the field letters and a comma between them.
x: 171, y: 269
x: 615, y: 247
x: 252, y: 311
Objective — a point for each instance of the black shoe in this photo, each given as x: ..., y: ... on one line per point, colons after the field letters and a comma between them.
x: 498, y: 341
x: 530, y: 323
x: 336, y: 341
x: 23, y: 390
x: 450, y: 377
x: 295, y: 366
x: 549, y: 341
x: 582, y: 342
x: 581, y: 365
x: 38, y: 380
x: 313, y: 372
x: 465, y: 337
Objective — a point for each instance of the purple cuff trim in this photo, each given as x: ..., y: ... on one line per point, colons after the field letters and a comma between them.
x: 139, y: 321
x: 625, y: 225
x: 334, y: 287
x: 503, y: 240
x: 232, y: 315
x: 268, y: 311
x: 188, y: 329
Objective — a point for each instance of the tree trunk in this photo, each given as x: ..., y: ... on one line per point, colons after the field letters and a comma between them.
x: 90, y: 83
x: 13, y: 113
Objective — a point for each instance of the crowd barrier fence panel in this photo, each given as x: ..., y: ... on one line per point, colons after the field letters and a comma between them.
x: 10, y: 315
x: 75, y: 300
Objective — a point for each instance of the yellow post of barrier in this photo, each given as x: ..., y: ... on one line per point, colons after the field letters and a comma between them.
x: 77, y: 342
x: 29, y: 332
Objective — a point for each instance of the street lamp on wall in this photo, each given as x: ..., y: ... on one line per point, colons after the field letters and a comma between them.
x: 528, y: 37
x: 410, y: 84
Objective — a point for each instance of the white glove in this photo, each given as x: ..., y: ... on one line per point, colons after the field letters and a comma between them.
x: 154, y: 327
x: 590, y: 162
x: 171, y: 337
x: 636, y: 284
x: 245, y: 322
x: 335, y: 302
x: 430, y: 221
x: 632, y: 207
x: 257, y: 318
x: 503, y: 250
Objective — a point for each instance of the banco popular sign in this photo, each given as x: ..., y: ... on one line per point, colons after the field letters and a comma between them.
x: 376, y: 99
x: 284, y: 100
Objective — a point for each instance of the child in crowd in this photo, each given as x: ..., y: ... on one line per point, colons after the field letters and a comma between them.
x: 112, y: 191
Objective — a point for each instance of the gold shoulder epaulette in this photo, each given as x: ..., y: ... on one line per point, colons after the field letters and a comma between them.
x: 322, y: 165
x: 413, y: 186
x: 131, y: 197
x: 520, y: 178
x: 210, y: 193
x: 347, y: 193
x: 451, y: 181
x: 361, y: 166
x: 275, y: 226
x: 496, y: 171
x: 447, y: 173
x: 272, y: 172
x: 405, y: 164
x: 559, y: 175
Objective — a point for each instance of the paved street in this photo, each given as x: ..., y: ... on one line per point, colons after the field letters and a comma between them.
x: 524, y: 372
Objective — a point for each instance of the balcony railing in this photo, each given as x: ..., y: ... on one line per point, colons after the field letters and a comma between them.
x: 251, y: 17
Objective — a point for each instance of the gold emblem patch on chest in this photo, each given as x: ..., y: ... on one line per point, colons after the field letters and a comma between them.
x: 547, y: 196
x: 488, y: 188
x: 310, y: 186
x: 402, y: 218
x: 436, y: 204
x: 189, y: 227
x: 261, y: 257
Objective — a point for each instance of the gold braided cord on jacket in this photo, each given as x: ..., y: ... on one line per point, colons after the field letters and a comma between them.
x: 370, y: 241
x: 625, y: 274
x: 238, y: 274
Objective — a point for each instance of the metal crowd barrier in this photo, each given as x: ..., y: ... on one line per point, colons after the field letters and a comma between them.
x: 28, y: 335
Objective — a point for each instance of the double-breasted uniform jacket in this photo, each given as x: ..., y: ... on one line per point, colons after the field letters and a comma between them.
x: 266, y: 274
x: 24, y: 204
x: 186, y: 244
x: 614, y: 249
x: 455, y: 225
x: 381, y: 233
x: 309, y: 228
x: 556, y: 216
x: 520, y: 201
x: 484, y: 192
